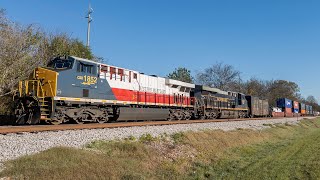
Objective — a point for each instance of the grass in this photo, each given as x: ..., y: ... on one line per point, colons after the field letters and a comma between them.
x: 281, y: 152
x: 291, y: 153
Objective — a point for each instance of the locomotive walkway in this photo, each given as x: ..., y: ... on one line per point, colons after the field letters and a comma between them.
x: 62, y: 127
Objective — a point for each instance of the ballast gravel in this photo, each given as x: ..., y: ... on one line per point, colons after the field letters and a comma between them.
x: 15, y: 145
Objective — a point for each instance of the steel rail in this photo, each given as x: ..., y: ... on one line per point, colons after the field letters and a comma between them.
x: 62, y: 127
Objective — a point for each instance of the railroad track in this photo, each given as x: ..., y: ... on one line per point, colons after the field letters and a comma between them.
x: 42, y: 128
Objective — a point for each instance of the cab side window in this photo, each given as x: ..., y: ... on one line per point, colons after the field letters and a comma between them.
x: 86, y: 68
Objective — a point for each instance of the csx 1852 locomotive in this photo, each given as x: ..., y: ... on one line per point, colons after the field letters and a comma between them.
x: 82, y: 91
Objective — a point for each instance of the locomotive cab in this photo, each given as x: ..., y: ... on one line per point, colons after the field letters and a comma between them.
x: 240, y: 100
x: 60, y: 63
x: 47, y: 87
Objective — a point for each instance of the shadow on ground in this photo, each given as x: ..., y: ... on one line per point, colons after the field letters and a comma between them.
x: 6, y: 119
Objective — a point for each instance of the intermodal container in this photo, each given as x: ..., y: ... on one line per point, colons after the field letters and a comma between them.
x: 288, y: 111
x: 307, y: 109
x: 302, y: 109
x: 295, y: 108
x: 284, y: 103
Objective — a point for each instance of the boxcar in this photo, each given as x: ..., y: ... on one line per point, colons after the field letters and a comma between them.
x: 258, y: 107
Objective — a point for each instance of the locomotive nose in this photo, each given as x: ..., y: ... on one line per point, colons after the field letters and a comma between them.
x: 48, y: 79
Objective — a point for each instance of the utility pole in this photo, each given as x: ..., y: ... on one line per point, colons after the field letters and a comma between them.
x: 90, y: 11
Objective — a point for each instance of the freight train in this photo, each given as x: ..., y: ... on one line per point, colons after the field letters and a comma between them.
x: 72, y: 89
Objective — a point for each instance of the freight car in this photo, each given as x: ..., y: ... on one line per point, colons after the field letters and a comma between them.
x: 286, y: 106
x: 258, y: 107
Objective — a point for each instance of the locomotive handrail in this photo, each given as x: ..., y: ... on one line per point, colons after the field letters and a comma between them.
x: 50, y: 87
x: 25, y: 89
x: 20, y: 88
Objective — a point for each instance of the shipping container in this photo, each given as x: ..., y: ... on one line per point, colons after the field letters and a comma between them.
x: 284, y: 103
x: 288, y: 110
x: 303, y: 109
x: 295, y: 108
x: 307, y: 110
x: 295, y: 104
x: 258, y: 107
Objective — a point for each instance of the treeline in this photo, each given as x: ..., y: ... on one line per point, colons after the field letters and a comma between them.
x: 25, y: 47
x: 227, y: 78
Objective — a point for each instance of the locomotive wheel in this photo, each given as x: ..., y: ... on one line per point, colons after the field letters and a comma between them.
x: 59, y: 118
x: 179, y: 115
x: 213, y: 115
x: 102, y: 120
x: 20, y: 113
x: 84, y: 116
x: 171, y: 117
x: 78, y: 121
x: 187, y: 115
x: 203, y: 117
x: 55, y: 122
x: 27, y: 111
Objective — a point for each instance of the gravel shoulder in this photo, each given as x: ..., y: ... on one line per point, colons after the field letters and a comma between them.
x: 16, y: 145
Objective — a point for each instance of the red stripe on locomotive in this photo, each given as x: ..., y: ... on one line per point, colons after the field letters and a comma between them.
x: 147, y: 97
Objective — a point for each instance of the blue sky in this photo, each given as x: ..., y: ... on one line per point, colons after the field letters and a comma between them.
x: 267, y: 39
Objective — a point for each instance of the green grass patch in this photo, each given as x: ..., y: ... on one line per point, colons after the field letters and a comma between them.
x: 147, y: 138
x: 291, y: 153
x: 283, y: 151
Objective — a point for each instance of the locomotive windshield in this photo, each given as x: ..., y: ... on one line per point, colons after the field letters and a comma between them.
x: 61, y: 64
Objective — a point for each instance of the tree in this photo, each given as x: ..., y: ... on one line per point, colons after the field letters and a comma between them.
x: 18, y: 54
x: 219, y: 75
x: 62, y: 44
x: 23, y: 48
x: 181, y: 74
x: 255, y: 87
x: 312, y: 100
x: 282, y: 89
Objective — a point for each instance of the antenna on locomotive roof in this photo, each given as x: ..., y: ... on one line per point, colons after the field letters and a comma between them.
x: 90, y: 11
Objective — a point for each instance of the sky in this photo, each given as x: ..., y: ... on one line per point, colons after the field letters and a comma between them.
x: 265, y: 39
